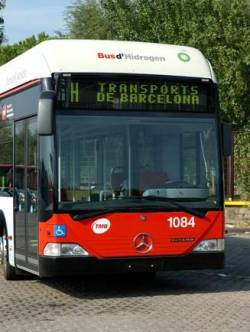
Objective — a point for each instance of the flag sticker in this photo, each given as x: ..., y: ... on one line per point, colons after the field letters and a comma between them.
x: 7, y: 112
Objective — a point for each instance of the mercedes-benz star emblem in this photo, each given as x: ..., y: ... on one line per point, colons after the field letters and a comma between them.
x: 143, y: 243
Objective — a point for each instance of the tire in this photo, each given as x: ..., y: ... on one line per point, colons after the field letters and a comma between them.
x: 9, y: 271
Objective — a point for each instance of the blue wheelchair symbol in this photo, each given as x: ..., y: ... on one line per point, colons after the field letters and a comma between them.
x: 59, y: 230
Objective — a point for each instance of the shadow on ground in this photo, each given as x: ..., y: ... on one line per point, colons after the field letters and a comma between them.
x: 234, y: 277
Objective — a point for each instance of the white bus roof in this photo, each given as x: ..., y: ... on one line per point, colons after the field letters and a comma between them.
x: 100, y: 56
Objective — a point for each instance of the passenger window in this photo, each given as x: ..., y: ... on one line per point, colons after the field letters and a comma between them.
x: 6, y: 159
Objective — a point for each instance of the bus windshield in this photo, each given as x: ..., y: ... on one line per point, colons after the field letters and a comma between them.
x: 114, y: 160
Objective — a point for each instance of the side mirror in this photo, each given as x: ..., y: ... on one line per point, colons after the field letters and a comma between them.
x: 45, y: 113
x: 227, y: 139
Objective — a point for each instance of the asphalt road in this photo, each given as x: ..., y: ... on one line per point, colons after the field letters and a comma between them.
x: 174, y: 301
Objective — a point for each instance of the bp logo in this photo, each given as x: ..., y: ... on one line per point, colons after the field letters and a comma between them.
x: 184, y: 57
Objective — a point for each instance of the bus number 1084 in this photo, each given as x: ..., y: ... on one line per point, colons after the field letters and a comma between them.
x: 181, y: 222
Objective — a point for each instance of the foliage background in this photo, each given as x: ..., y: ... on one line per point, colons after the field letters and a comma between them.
x: 242, y: 164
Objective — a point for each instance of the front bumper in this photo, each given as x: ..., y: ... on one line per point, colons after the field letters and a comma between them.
x: 69, y: 266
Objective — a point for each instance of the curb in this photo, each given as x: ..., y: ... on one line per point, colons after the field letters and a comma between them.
x: 233, y: 230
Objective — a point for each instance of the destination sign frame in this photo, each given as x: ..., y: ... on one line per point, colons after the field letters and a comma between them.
x: 133, y: 93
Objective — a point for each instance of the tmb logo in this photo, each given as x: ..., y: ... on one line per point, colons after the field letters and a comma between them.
x: 100, y: 226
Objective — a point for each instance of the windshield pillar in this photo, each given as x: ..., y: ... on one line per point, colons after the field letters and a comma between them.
x: 47, y: 176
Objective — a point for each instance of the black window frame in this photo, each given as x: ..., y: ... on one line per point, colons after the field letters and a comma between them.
x: 220, y: 205
x: 212, y: 90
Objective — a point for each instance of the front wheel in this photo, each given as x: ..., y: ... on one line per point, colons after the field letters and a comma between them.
x: 8, y: 270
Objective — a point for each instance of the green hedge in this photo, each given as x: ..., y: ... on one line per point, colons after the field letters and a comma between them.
x: 242, y: 164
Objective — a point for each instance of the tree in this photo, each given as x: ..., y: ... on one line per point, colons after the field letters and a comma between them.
x: 86, y: 19
x: 241, y: 163
x: 2, y: 4
x: 220, y: 29
x: 9, y: 52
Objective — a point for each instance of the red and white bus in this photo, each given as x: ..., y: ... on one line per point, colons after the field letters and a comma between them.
x: 111, y: 159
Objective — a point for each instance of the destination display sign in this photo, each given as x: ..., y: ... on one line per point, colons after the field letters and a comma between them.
x: 132, y: 94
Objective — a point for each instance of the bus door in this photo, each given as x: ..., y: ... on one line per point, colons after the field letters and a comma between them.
x: 25, y: 179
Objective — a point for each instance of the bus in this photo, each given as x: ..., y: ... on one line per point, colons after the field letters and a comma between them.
x: 111, y: 160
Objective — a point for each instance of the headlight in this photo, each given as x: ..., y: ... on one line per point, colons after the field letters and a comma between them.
x: 71, y: 249
x: 210, y: 245
x: 64, y: 249
x: 52, y: 249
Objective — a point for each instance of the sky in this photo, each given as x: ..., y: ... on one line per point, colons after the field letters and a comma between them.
x: 24, y: 18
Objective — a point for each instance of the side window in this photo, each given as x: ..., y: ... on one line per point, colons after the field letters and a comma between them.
x: 20, y: 165
x: 32, y: 165
x: 26, y: 186
x: 6, y: 158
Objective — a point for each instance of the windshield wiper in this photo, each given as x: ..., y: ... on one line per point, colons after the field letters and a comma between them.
x: 93, y: 213
x: 99, y: 212
x: 197, y: 213
x: 138, y: 208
